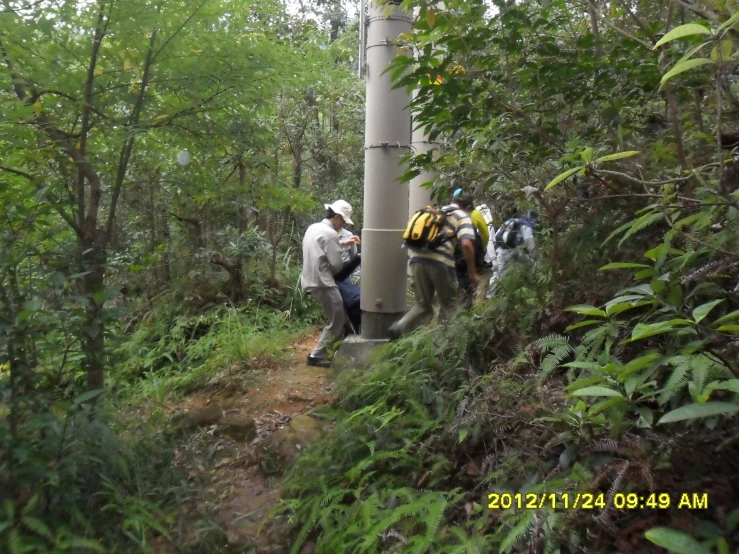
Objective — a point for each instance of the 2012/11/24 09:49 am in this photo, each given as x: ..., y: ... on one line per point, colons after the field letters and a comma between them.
x: 597, y: 501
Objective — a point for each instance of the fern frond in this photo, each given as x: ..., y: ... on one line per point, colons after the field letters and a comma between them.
x: 642, y: 223
x: 580, y: 473
x: 433, y: 518
x: 518, y: 532
x: 309, y: 524
x: 551, y: 341
x: 554, y: 359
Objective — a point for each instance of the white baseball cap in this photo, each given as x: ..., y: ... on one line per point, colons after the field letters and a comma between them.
x: 343, y: 208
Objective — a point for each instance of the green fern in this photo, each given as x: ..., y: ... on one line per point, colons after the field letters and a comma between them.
x: 642, y: 223
x: 466, y: 544
x: 309, y: 524
x: 525, y: 522
x: 414, y: 508
x: 554, y: 359
x: 677, y: 380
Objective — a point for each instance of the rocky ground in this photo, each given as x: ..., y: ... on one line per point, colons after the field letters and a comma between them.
x: 238, y: 443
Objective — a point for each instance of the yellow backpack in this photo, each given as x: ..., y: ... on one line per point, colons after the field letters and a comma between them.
x: 425, y: 229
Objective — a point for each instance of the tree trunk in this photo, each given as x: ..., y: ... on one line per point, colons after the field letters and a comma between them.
x: 593, y: 12
x: 235, y: 286
x: 94, y: 258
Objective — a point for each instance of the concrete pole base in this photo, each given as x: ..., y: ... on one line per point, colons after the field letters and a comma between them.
x: 357, y: 350
x: 375, y: 325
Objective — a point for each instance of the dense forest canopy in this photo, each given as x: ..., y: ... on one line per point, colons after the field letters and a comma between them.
x: 159, y: 163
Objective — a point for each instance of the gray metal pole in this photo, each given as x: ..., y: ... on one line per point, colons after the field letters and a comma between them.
x: 387, y: 137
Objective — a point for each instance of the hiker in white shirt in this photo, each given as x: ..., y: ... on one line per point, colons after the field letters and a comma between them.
x: 322, y: 259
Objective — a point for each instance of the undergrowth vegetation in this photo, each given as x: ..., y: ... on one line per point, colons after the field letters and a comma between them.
x: 92, y: 473
x: 590, y: 405
x: 617, y: 407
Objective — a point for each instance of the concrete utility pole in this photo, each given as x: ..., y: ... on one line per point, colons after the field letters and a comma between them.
x: 420, y: 197
x: 387, y: 137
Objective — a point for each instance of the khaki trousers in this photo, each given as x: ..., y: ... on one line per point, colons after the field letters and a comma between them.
x: 427, y: 280
x: 333, y: 309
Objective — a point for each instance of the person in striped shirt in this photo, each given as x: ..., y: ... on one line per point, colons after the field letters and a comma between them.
x: 433, y: 271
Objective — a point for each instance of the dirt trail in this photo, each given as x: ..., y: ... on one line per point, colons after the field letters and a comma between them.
x: 237, y: 491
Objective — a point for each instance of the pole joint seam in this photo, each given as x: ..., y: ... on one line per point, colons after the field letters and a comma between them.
x: 387, y: 145
x: 388, y: 18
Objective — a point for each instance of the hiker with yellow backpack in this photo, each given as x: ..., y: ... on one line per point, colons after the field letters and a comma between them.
x: 431, y: 236
x: 467, y: 292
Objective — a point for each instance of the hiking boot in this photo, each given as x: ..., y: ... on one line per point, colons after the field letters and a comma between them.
x: 394, y: 332
x: 318, y: 362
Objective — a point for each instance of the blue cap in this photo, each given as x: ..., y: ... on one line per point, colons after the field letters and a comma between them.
x: 457, y: 193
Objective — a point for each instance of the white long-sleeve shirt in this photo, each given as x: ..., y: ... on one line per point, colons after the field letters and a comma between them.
x: 321, y: 256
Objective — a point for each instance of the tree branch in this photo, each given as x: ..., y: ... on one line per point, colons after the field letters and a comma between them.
x: 58, y: 136
x: 627, y: 35
x: 636, y: 181
x: 128, y: 145
x: 36, y: 182
x: 696, y: 10
x: 179, y: 29
x: 17, y: 172
x: 94, y: 200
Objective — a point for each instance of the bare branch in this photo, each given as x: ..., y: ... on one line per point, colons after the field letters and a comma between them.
x: 179, y: 29
x: 636, y: 181
x: 627, y: 35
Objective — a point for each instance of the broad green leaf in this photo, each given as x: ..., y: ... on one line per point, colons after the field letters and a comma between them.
x: 617, y: 156
x: 694, y: 411
x: 89, y: 395
x: 644, y: 330
x: 463, y: 434
x: 728, y: 317
x: 730, y: 385
x: 625, y: 298
x: 561, y: 177
x: 587, y: 155
x: 689, y: 53
x: 586, y: 310
x: 726, y: 48
x: 682, y: 31
x: 674, y: 541
x: 645, y: 274
x: 729, y: 22
x: 607, y: 405
x: 702, y: 311
x: 622, y: 265
x: 635, y: 365
x: 615, y: 309
x: 646, y: 417
x: 729, y: 328
x: 683, y: 67
x: 430, y: 19
x: 582, y: 383
x: 596, y: 391
x: 585, y: 323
